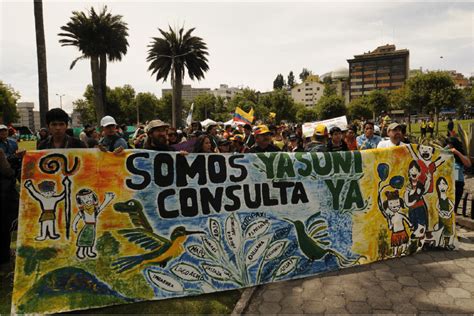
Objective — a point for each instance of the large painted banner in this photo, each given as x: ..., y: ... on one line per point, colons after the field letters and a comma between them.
x: 97, y: 229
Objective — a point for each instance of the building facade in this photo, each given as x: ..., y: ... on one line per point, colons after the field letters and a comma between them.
x: 384, y: 68
x: 225, y: 92
x: 308, y: 92
x: 28, y: 117
x: 188, y: 93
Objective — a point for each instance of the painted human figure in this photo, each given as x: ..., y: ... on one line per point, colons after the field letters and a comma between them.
x: 89, y: 210
x: 48, y: 199
x: 392, y: 210
x: 445, y: 209
x: 423, y: 158
x: 414, y: 199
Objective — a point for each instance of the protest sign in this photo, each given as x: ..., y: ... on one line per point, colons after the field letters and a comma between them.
x: 341, y: 122
x: 154, y: 225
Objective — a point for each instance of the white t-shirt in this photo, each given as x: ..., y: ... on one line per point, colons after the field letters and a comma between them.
x: 388, y: 143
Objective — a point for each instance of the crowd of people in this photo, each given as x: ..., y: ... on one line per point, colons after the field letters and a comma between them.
x: 243, y: 138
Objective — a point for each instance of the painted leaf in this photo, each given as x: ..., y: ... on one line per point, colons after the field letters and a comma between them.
x: 211, y: 246
x: 164, y: 281
x: 216, y: 272
x: 317, y: 230
x: 286, y: 266
x: 382, y: 170
x: 233, y: 233
x: 397, y: 182
x: 186, y: 271
x: 197, y: 251
x: 257, y: 250
x: 215, y: 228
x: 257, y: 228
x: 275, y: 250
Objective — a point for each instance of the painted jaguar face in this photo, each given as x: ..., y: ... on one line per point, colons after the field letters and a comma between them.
x: 426, y: 152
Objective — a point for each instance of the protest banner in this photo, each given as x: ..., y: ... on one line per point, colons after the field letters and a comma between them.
x: 154, y: 225
x: 341, y: 122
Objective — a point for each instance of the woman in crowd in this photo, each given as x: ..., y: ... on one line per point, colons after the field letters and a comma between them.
x: 203, y: 145
x: 460, y: 161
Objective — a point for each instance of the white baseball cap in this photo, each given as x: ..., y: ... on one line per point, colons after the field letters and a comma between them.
x: 3, y: 127
x: 107, y: 120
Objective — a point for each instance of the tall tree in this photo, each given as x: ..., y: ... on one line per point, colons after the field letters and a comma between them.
x: 304, y: 74
x: 204, y: 106
x: 359, y: 108
x: 100, y: 37
x: 173, y: 54
x: 291, y: 79
x: 8, y: 100
x: 379, y: 101
x: 330, y: 106
x: 279, y: 82
x: 41, y: 57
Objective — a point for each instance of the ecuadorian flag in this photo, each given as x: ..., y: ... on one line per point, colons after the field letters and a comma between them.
x: 242, y: 116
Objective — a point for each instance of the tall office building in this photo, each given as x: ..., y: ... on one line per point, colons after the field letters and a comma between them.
x: 384, y: 68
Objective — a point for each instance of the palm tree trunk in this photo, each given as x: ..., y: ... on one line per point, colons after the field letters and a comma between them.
x: 41, y: 57
x: 103, y: 80
x: 178, y: 106
x: 96, y: 84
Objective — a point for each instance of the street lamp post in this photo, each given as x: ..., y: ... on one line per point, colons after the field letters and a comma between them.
x: 60, y: 99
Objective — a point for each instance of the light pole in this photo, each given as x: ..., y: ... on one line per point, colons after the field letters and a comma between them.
x: 60, y: 99
x: 173, y: 97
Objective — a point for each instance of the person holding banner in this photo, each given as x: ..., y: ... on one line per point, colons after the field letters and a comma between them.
x: 263, y: 141
x: 238, y: 145
x: 335, y: 143
x: 203, y: 145
x: 57, y: 121
x: 368, y: 140
x: 320, y: 139
x: 249, y: 137
x: 111, y: 141
x: 157, y: 139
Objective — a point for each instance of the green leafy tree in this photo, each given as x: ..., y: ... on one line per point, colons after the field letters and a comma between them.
x: 327, y: 80
x: 305, y: 113
x: 330, y: 106
x: 204, y: 106
x: 173, y: 54
x: 164, y: 109
x: 121, y: 104
x: 359, y: 108
x: 279, y: 82
x: 8, y: 99
x: 291, y: 79
x: 99, y: 37
x: 379, y: 101
x: 329, y: 89
x: 86, y: 111
x: 304, y: 74
x: 399, y: 101
x: 221, y: 113
x: 147, y: 103
x: 279, y: 102
x: 432, y: 92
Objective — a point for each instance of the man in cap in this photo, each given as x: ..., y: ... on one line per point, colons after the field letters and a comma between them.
x: 320, y: 138
x: 263, y: 141
x: 57, y: 121
x: 394, y: 131
x: 9, y: 146
x: 223, y: 145
x: 368, y: 140
x: 157, y: 139
x: 238, y: 145
x: 111, y: 142
x: 295, y: 143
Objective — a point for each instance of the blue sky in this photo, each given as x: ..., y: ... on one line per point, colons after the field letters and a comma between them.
x: 249, y: 43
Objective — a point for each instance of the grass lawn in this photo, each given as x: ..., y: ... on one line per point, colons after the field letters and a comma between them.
x: 443, y: 127
x: 215, y: 303
x: 27, y: 145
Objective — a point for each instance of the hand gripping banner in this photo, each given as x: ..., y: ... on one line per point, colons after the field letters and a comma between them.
x: 97, y: 229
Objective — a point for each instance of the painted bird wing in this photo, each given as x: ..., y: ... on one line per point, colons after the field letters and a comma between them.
x: 148, y: 240
x: 138, y: 217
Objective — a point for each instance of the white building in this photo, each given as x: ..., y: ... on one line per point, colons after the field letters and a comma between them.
x: 308, y: 92
x: 28, y: 117
x: 225, y: 92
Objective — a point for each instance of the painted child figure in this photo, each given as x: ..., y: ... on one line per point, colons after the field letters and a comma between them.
x: 48, y: 200
x: 392, y: 211
x: 414, y: 199
x: 445, y: 209
x: 423, y: 158
x: 89, y: 210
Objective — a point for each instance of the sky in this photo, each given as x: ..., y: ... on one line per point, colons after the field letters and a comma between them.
x: 249, y: 43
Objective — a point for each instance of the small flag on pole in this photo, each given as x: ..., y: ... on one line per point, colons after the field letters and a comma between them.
x: 189, y: 119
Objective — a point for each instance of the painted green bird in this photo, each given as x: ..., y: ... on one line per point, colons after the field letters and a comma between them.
x: 161, y: 249
x: 311, y: 241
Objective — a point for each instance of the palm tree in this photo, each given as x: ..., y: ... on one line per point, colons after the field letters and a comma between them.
x: 99, y: 37
x: 41, y: 57
x: 173, y: 54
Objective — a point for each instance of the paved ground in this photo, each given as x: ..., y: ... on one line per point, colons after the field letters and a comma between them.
x: 431, y: 282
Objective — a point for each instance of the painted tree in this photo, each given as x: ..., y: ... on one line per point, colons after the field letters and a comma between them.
x: 171, y: 55
x: 100, y: 37
x: 41, y: 58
